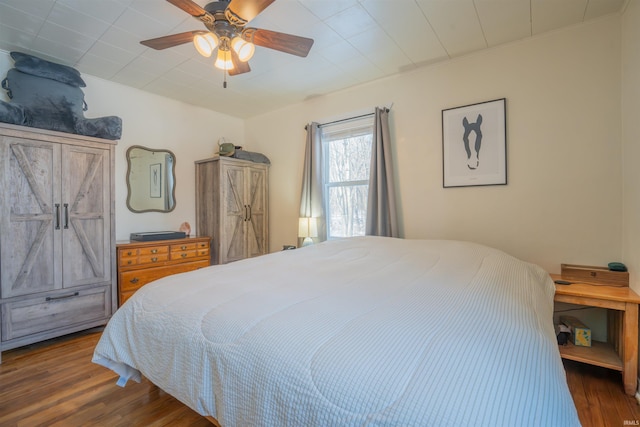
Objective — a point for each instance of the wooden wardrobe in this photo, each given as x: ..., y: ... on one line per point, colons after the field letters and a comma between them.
x: 231, y: 207
x: 57, y: 242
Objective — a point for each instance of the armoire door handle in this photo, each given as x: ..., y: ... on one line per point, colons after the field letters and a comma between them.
x: 249, y: 217
x: 57, y: 216
x: 66, y: 215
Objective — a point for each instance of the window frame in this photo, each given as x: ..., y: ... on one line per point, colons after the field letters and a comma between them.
x: 348, y: 128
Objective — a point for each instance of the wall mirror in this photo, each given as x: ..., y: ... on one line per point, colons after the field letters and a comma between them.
x: 151, y: 180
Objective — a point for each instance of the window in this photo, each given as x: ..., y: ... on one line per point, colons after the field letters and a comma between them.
x: 347, y: 158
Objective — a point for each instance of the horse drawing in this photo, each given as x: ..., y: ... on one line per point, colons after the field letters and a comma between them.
x: 473, y: 157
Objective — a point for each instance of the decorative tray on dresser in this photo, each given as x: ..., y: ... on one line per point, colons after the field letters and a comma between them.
x: 141, y: 262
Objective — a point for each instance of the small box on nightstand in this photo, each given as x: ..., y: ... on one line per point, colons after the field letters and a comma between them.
x: 579, y: 331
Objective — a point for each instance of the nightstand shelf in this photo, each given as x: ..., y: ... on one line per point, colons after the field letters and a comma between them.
x: 621, y: 351
x: 599, y: 354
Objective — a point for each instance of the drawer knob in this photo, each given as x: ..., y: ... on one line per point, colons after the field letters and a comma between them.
x: 183, y: 255
x: 154, y: 251
x: 154, y: 259
x: 183, y: 247
x: 129, y: 253
x: 134, y: 280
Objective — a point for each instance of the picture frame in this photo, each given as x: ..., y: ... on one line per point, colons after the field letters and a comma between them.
x: 474, y: 144
x: 155, y: 180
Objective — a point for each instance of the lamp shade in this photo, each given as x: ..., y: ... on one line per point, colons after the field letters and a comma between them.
x: 223, y: 60
x: 205, y: 43
x: 307, y: 227
x: 244, y: 49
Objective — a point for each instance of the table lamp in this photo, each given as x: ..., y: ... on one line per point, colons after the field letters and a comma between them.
x: 307, y: 228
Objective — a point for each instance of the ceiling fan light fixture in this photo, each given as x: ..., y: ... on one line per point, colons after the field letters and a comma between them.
x: 244, y: 49
x: 223, y: 61
x: 205, y: 43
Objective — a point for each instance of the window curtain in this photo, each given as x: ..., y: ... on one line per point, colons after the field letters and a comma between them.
x: 382, y: 219
x: 311, y: 200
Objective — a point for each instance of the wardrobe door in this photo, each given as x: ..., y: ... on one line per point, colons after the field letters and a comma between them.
x: 234, y: 213
x: 257, y: 200
x: 30, y: 242
x: 85, y: 216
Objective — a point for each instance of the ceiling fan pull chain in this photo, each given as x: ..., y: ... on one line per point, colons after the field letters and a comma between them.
x: 224, y: 83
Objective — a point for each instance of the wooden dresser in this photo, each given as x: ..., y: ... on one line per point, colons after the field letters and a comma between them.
x: 142, y: 262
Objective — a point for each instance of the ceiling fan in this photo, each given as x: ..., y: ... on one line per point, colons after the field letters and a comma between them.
x: 226, y: 21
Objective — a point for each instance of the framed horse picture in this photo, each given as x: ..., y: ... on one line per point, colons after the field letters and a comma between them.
x: 474, y: 144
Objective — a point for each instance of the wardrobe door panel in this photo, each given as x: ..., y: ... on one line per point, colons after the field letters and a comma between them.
x: 257, y: 200
x: 234, y: 212
x: 30, y: 242
x: 85, y: 216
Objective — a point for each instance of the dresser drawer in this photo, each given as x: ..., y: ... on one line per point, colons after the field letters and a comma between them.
x: 54, y: 310
x: 184, y: 247
x: 126, y: 253
x: 131, y: 281
x: 154, y: 250
x: 184, y: 254
x: 153, y: 258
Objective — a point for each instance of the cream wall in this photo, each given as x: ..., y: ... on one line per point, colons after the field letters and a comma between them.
x: 563, y: 200
x: 631, y: 140
x: 156, y: 122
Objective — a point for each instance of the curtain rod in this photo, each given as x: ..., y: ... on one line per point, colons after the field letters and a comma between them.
x: 347, y: 119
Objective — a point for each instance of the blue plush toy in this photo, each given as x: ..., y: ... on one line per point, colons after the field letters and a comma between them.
x: 47, y: 95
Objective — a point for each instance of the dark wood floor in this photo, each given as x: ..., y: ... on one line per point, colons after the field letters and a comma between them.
x: 55, y: 384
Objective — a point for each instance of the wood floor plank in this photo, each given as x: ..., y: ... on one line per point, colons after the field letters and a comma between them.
x: 54, y: 384
x: 599, y: 396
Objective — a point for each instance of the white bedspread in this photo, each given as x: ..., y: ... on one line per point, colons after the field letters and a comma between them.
x: 363, y: 331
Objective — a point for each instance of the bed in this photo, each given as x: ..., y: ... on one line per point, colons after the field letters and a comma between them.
x: 366, y: 331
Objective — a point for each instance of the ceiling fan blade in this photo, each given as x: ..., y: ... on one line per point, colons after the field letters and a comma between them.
x: 170, y: 41
x: 246, y: 10
x: 188, y: 6
x: 287, y: 43
x: 239, y: 67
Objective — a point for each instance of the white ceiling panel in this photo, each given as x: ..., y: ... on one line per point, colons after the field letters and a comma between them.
x: 104, y: 10
x: 381, y: 50
x: 355, y: 41
x: 12, y: 39
x: 323, y: 9
x: 504, y: 20
x: 38, y: 8
x: 142, y: 25
x: 20, y: 21
x: 456, y: 23
x: 596, y: 8
x: 111, y: 53
x: 134, y: 77
x: 405, y: 23
x: 123, y: 40
x: 99, y: 66
x: 52, y: 50
x: 548, y: 15
x: 72, y: 20
x: 352, y: 21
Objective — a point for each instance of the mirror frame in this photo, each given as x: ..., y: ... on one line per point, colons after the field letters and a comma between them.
x: 173, y: 173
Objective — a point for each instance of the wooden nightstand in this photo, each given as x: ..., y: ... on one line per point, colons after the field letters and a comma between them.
x: 621, y: 350
x: 142, y: 262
